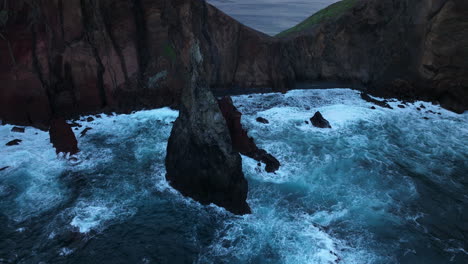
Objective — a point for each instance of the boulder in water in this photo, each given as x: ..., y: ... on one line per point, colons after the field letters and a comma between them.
x: 62, y: 136
x: 17, y: 129
x: 14, y: 142
x: 262, y: 120
x: 318, y: 121
x: 83, y: 133
x: 200, y: 161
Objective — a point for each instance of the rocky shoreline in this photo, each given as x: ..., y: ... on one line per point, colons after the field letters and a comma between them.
x: 65, y: 59
x: 88, y: 56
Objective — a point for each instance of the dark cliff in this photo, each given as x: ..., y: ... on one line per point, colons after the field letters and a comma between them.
x: 411, y: 49
x: 201, y: 162
x: 82, y: 56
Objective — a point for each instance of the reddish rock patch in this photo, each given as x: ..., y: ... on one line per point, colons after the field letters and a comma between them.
x: 14, y: 142
x: 241, y: 141
x: 62, y: 136
x: 319, y: 121
x: 262, y: 120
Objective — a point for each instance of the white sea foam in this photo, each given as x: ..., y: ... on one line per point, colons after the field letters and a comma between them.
x: 346, y: 174
x: 32, y: 176
x: 336, y: 192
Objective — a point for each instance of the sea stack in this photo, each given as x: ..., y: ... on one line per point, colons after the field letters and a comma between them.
x: 200, y: 161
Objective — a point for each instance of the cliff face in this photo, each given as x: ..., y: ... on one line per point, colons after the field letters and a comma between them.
x: 405, y: 48
x: 80, y: 56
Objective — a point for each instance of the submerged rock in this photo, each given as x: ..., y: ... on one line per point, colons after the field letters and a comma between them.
x: 83, y: 133
x: 369, y: 99
x: 319, y: 121
x: 62, y: 136
x: 241, y: 140
x: 130, y: 68
x: 17, y: 129
x: 201, y: 162
x: 262, y: 120
x: 14, y: 142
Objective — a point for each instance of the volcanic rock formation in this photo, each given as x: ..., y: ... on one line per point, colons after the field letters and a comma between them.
x: 62, y: 137
x: 66, y: 58
x: 83, y: 56
x: 201, y: 162
x: 241, y: 141
x: 411, y: 49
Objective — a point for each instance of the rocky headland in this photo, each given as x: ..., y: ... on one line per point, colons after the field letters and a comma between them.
x: 76, y: 57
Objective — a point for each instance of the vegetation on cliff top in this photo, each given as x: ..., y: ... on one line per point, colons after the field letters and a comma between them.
x: 331, y: 11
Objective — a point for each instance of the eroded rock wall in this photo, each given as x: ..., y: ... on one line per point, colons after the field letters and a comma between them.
x: 66, y: 58
x: 82, y: 56
x: 405, y: 48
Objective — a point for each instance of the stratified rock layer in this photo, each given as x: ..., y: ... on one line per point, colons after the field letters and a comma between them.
x: 201, y: 162
x: 66, y: 58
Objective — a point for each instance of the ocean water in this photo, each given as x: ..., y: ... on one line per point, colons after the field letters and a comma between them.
x: 271, y: 16
x: 381, y: 186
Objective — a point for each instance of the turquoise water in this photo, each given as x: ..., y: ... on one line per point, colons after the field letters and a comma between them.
x: 381, y: 186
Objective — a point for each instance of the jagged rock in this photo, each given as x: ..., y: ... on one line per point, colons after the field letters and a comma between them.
x: 76, y: 125
x: 320, y: 122
x: 201, y: 162
x: 62, y: 136
x: 271, y: 163
x: 126, y: 55
x: 17, y: 129
x: 14, y: 142
x: 83, y: 133
x: 369, y: 99
x: 241, y: 140
x: 262, y: 120
x: 397, y: 48
x: 134, y: 54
